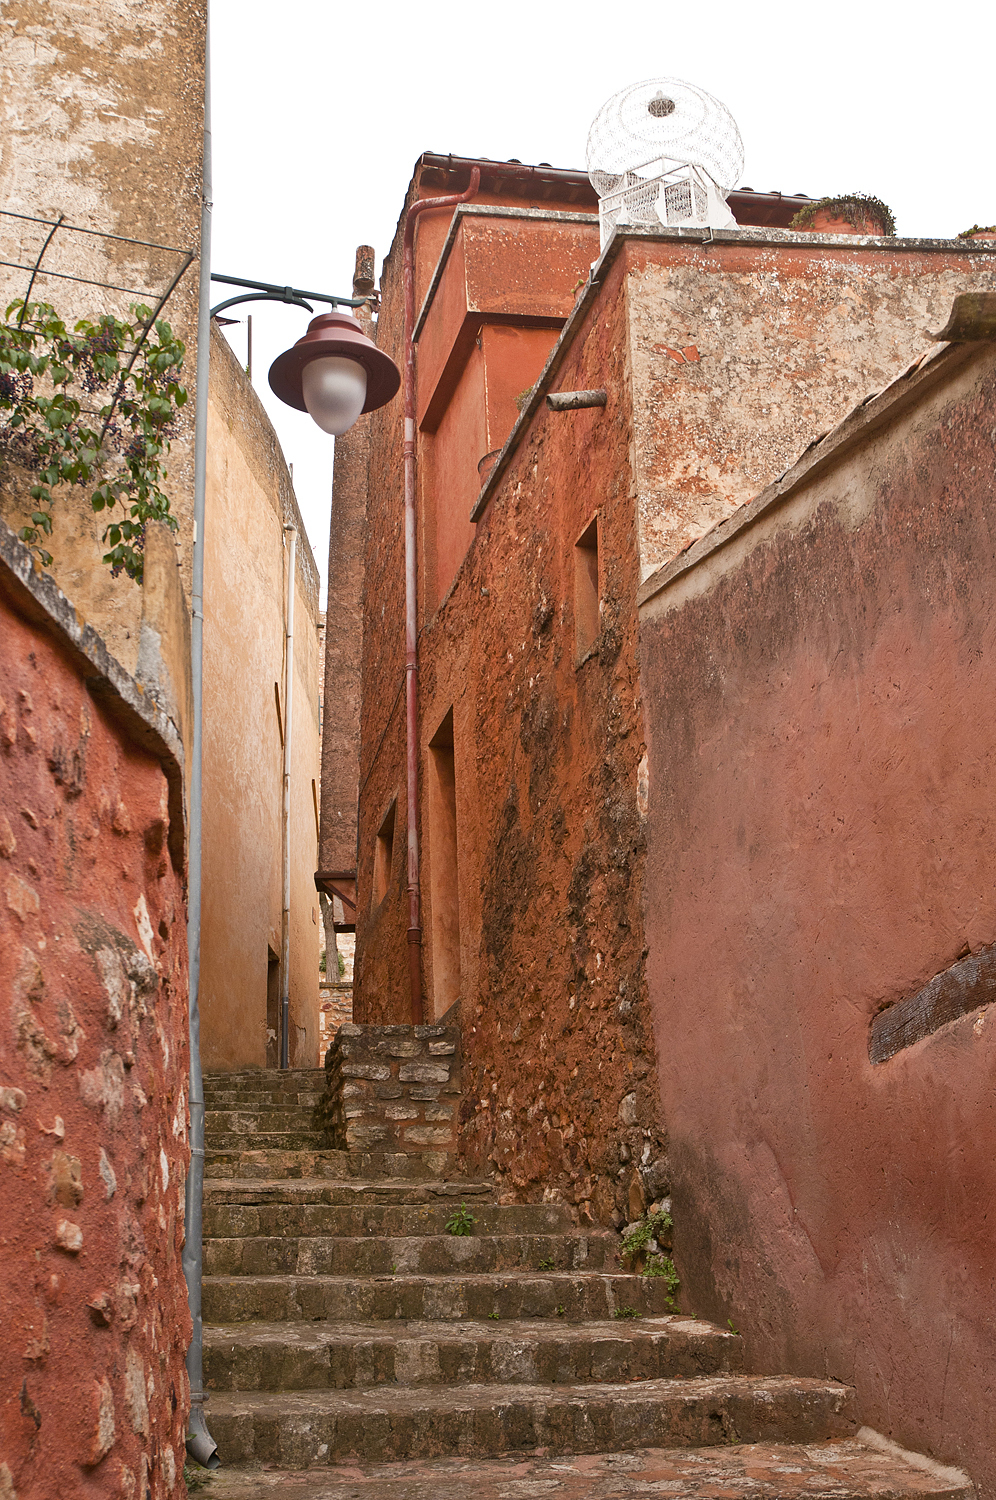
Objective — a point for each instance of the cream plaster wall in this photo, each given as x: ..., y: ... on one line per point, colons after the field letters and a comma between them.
x: 249, y: 497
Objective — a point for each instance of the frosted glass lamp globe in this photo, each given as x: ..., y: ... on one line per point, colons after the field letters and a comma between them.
x: 334, y: 390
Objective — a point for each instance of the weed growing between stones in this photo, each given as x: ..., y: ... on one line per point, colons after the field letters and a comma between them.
x: 196, y: 1479
x: 461, y: 1221
x: 663, y: 1266
x: 626, y: 1312
x: 648, y: 1234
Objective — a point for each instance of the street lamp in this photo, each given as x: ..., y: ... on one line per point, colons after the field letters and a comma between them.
x: 335, y: 373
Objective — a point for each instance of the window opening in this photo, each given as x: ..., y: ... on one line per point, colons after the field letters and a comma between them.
x: 587, y: 599
x: 384, y: 855
x: 272, y: 1008
x: 444, y: 886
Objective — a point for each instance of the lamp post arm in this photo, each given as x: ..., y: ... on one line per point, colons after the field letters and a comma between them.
x: 287, y: 292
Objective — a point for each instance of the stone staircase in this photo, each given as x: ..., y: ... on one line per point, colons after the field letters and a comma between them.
x: 345, y: 1326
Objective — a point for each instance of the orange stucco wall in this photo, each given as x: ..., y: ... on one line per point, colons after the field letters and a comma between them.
x: 822, y: 753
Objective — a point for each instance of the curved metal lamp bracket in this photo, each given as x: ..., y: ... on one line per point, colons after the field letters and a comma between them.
x: 261, y: 297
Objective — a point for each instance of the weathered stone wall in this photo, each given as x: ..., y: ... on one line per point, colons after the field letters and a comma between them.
x: 558, y: 1093
x: 93, y: 1062
x: 343, y: 646
x: 102, y: 110
x: 819, y: 677
x: 335, y: 1009
x: 393, y: 1088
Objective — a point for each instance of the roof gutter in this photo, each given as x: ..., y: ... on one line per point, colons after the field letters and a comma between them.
x: 507, y: 170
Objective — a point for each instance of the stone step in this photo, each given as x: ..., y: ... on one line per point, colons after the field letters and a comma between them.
x: 265, y: 1117
x: 289, y: 1077
x: 231, y: 1220
x: 414, y: 1166
x: 263, y: 1140
x: 840, y: 1469
x: 419, y: 1255
x: 309, y: 1356
x: 226, y: 1103
x: 233, y: 1098
x: 390, y: 1422
x: 384, y: 1191
x: 575, y: 1298
x: 265, y: 1085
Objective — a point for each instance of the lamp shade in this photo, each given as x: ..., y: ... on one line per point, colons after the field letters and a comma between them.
x: 333, y: 337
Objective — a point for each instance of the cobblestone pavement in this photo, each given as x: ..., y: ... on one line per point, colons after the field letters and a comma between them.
x: 816, y: 1471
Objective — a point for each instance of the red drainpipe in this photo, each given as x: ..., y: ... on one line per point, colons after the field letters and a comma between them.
x: 411, y: 610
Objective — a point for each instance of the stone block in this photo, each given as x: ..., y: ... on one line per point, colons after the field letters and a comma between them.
x: 365, y: 1135
x: 427, y: 1135
x: 424, y: 1072
x: 378, y: 1071
x: 424, y: 1093
x: 390, y: 1090
x: 401, y: 1112
x: 438, y: 1112
x: 402, y: 1047
x: 442, y: 1049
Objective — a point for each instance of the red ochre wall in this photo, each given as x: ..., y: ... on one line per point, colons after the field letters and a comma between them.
x: 93, y: 1062
x: 558, y: 1085
x: 819, y: 700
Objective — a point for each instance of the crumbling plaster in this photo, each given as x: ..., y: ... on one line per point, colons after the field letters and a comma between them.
x: 742, y: 354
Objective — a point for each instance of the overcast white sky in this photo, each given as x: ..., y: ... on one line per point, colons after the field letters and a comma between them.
x: 321, y: 110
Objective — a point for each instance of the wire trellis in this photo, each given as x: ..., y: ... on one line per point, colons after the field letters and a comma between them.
x: 143, y: 295
x: 54, y: 227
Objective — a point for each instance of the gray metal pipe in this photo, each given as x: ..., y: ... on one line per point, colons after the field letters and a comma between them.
x: 200, y: 1445
x: 291, y: 534
x: 576, y: 400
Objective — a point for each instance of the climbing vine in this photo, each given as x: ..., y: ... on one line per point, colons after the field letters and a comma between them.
x: 95, y: 407
x: 850, y: 206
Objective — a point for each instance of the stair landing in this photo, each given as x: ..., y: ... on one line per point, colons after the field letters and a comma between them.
x: 844, y: 1470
